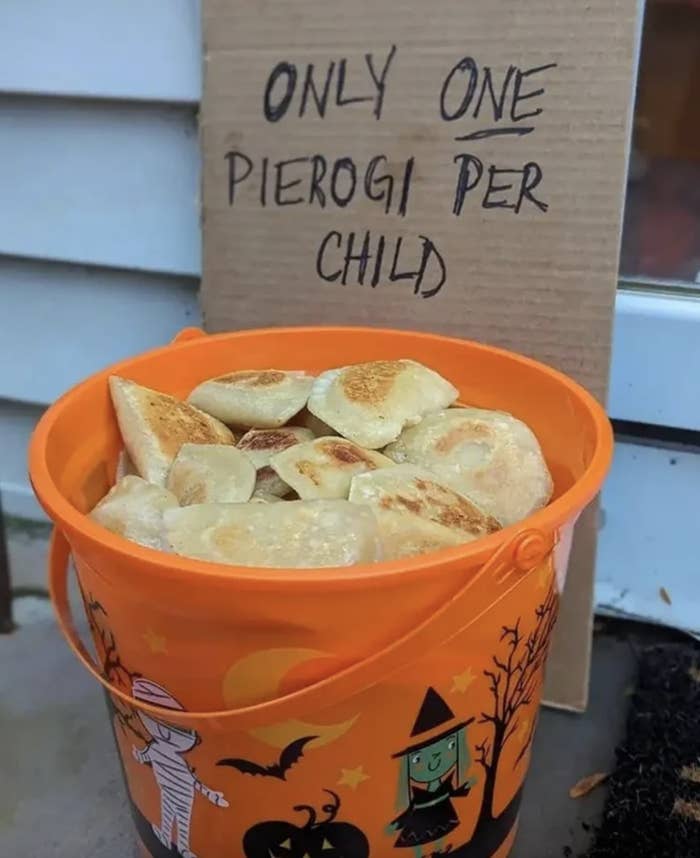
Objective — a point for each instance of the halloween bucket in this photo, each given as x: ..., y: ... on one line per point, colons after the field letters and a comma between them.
x: 380, y: 710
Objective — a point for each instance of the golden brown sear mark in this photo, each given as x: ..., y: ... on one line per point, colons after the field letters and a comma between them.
x: 252, y: 377
x: 176, y: 423
x: 227, y: 537
x: 438, y: 504
x: 463, y: 432
x: 272, y: 439
x: 309, y: 470
x: 465, y: 516
x: 194, y: 494
x: 399, y: 502
x: 345, y: 453
x: 370, y: 383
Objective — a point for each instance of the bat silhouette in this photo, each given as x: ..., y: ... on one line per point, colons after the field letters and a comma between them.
x: 289, y: 756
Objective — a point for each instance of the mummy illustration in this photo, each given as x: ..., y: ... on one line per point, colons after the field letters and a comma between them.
x: 174, y: 776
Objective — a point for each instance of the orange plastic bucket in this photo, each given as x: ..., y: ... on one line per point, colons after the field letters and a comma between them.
x: 380, y: 710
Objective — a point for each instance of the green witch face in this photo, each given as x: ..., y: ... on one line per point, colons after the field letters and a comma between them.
x: 431, y: 762
x: 433, y: 772
x: 434, y: 761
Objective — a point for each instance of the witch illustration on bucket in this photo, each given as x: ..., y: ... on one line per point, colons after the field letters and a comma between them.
x: 433, y: 772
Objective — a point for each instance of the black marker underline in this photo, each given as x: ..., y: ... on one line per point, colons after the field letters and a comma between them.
x: 496, y: 132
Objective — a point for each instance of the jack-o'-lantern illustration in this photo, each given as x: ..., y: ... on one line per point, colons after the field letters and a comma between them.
x: 327, y: 838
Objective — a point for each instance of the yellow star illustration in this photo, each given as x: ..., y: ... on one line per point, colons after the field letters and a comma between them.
x: 156, y: 643
x: 462, y: 681
x: 524, y: 729
x: 544, y: 575
x: 352, y: 777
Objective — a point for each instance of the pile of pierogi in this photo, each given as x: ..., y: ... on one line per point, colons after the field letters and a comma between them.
x: 278, y: 468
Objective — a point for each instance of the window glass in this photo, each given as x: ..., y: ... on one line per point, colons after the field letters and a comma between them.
x: 661, y: 234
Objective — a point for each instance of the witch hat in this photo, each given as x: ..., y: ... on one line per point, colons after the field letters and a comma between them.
x: 433, y: 714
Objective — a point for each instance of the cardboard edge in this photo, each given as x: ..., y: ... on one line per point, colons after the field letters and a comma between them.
x: 567, y: 680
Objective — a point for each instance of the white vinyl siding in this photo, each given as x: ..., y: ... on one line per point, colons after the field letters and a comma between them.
x: 100, y: 183
x: 132, y: 50
x: 99, y: 220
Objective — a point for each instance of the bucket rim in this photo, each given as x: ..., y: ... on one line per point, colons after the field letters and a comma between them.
x: 74, y: 523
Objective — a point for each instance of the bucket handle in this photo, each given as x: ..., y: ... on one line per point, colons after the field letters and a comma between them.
x: 501, y: 573
x: 186, y: 334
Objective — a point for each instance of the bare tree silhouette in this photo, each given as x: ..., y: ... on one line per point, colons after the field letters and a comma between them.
x: 515, y: 677
x: 118, y: 674
x: 513, y: 681
x: 113, y: 669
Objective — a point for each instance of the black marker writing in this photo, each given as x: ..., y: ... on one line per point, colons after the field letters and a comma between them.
x: 312, y: 88
x: 497, y: 100
x: 504, y: 131
x: 379, y: 184
x: 236, y: 175
x: 486, y: 103
x: 341, y: 99
x: 466, y: 66
x: 471, y: 170
x: 336, y: 236
x: 320, y: 182
x: 347, y: 167
x: 274, y: 106
x: 403, y: 205
x: 379, y: 258
x: 532, y: 176
x: 463, y: 82
x: 379, y: 189
x: 380, y: 80
x: 263, y: 184
x: 518, y: 96
x: 493, y: 189
x: 351, y: 258
x: 281, y: 186
x: 429, y: 252
x: 316, y: 192
x: 309, y: 88
x: 494, y: 196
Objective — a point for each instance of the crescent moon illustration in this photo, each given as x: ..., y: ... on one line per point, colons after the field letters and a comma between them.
x: 257, y: 677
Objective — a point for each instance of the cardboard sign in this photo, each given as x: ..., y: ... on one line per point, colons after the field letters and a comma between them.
x: 455, y: 167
